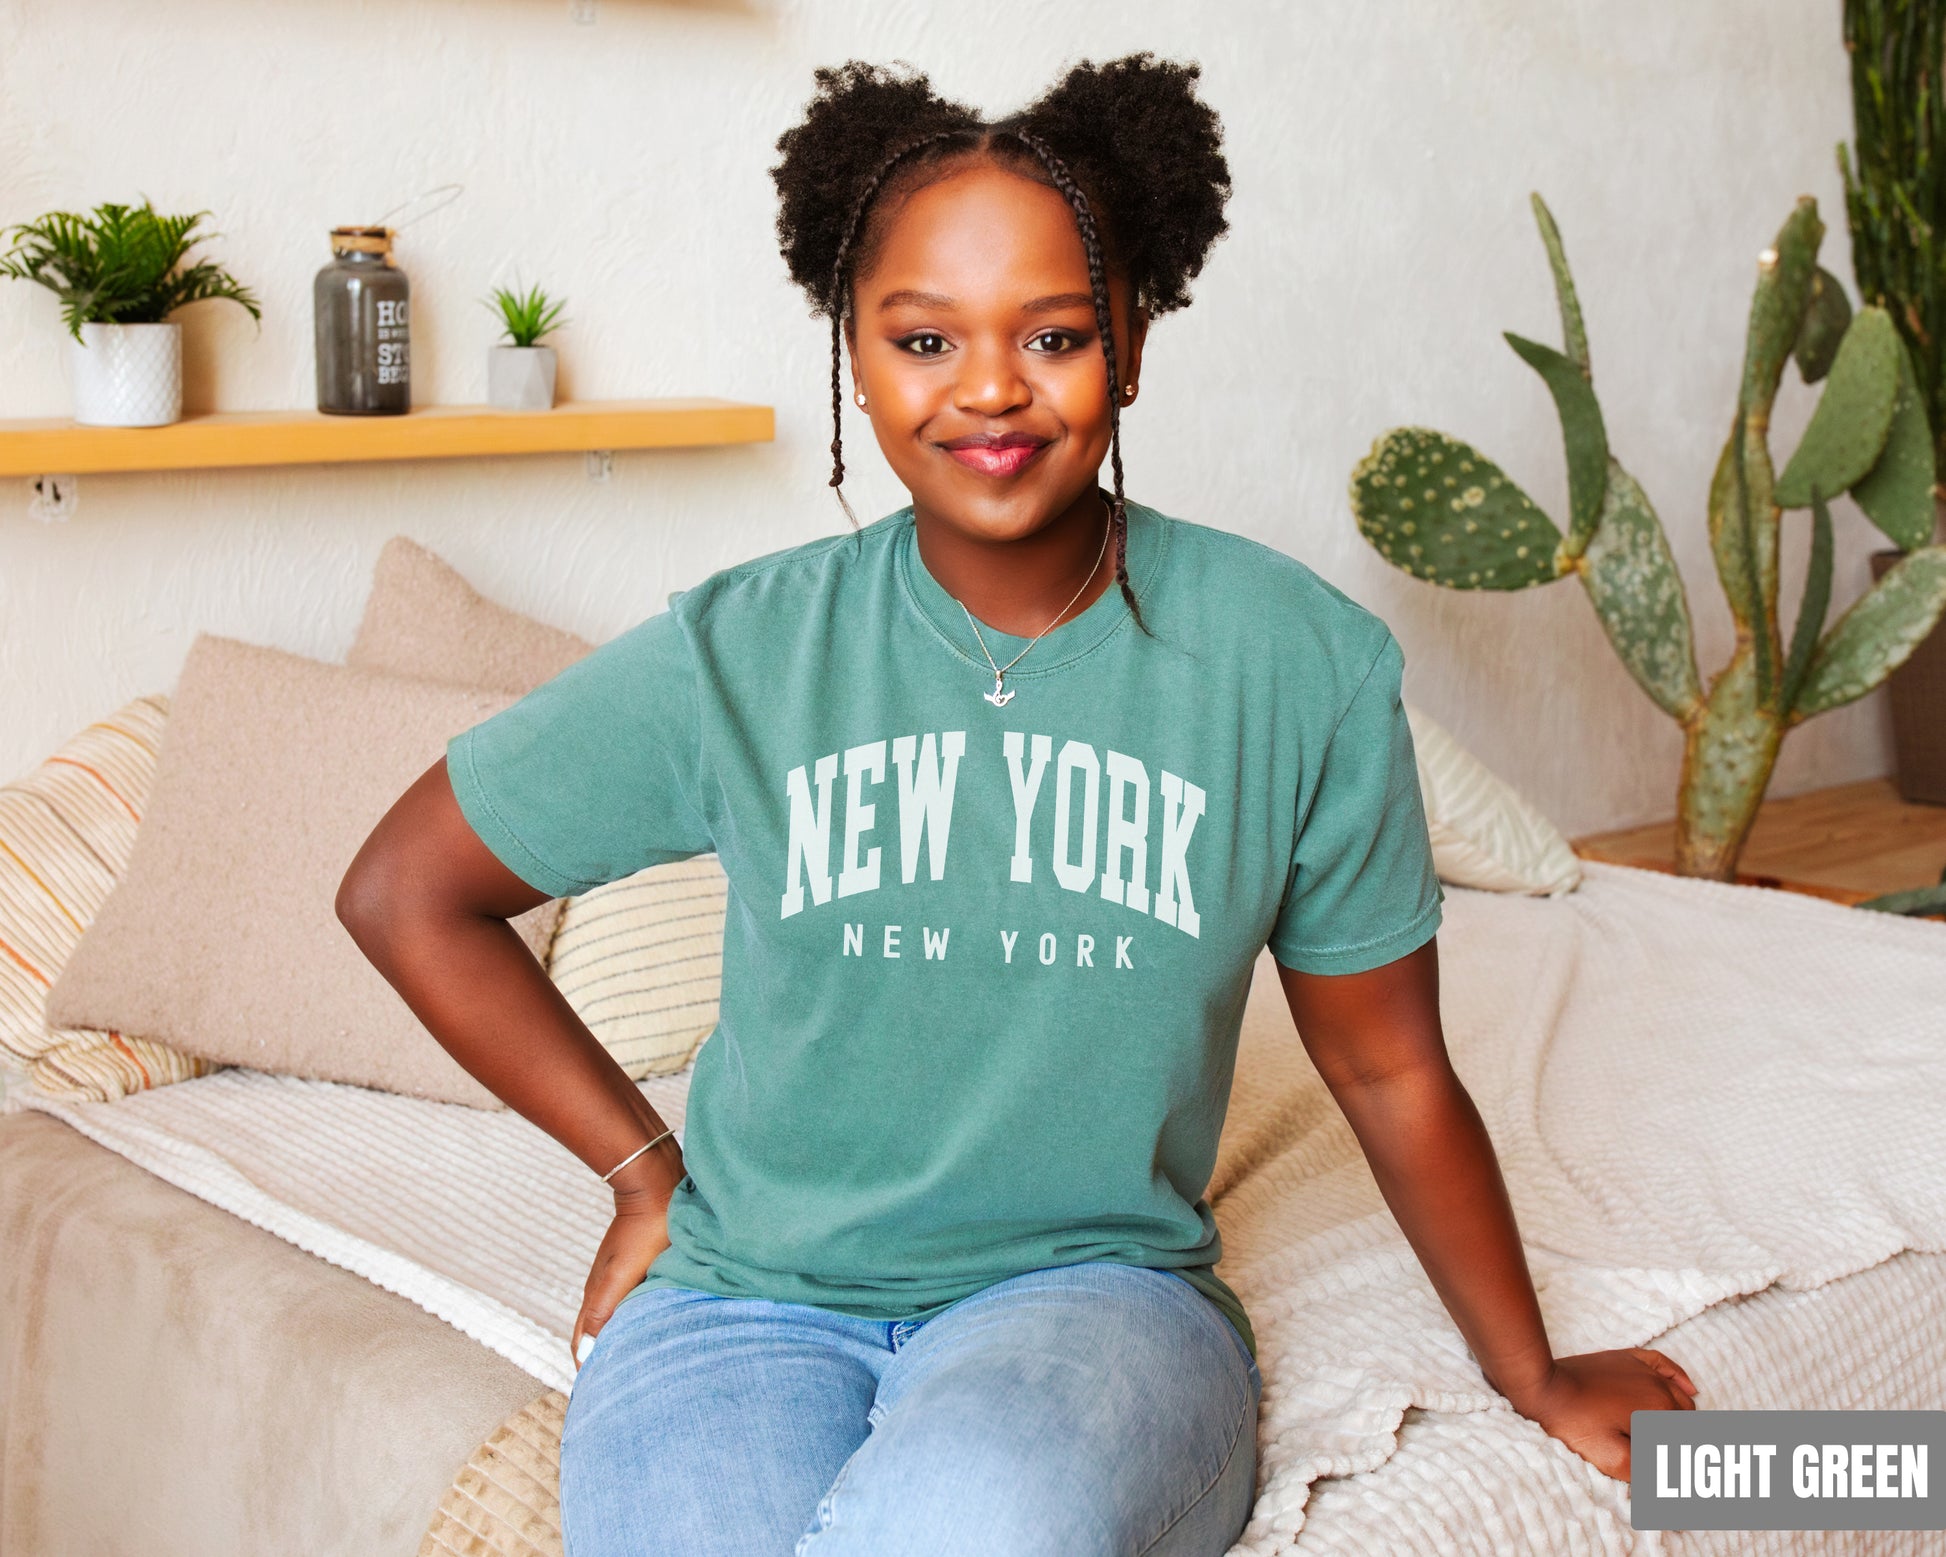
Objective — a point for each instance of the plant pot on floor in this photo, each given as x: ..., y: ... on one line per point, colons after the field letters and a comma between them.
x: 521, y: 378
x: 127, y: 375
x: 1917, y: 690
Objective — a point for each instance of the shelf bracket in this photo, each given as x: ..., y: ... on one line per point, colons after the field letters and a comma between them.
x: 599, y: 464
x: 52, y: 499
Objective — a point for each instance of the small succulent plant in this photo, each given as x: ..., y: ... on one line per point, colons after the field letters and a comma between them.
x: 526, y: 316
x: 1442, y: 511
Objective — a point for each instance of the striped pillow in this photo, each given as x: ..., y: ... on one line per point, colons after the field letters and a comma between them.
x: 641, y: 962
x: 66, y: 830
x: 1485, y: 833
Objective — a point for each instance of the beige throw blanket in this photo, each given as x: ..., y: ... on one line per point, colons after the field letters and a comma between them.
x: 1696, y: 1091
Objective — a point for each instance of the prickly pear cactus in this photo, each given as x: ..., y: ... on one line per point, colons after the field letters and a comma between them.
x: 1637, y: 593
x: 1442, y: 511
x: 1847, y: 431
x: 1897, y: 493
x: 1826, y: 318
x: 1921, y: 901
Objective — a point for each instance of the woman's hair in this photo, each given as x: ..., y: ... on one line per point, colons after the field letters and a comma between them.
x: 1137, y: 155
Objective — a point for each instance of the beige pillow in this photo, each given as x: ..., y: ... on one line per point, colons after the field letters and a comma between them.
x: 422, y: 619
x: 641, y: 959
x: 1485, y: 833
x: 66, y: 830
x: 222, y: 938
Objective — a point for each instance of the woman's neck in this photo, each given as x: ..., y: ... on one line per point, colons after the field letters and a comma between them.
x: 1017, y: 586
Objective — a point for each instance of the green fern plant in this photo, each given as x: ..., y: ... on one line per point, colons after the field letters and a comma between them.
x: 119, y: 264
x: 527, y: 316
x: 1442, y: 511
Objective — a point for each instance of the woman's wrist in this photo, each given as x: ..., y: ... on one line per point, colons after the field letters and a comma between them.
x: 1525, y: 1386
x: 650, y: 1179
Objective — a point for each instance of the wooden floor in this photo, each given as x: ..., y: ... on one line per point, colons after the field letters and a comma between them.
x: 1849, y: 842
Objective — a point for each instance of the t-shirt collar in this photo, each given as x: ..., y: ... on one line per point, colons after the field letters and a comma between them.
x: 1077, y: 636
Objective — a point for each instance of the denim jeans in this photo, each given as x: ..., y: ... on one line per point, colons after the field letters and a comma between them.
x: 1080, y: 1409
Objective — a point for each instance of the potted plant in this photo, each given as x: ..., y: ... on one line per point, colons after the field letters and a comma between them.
x: 1442, y: 511
x: 120, y: 272
x: 520, y: 376
x: 1895, y: 197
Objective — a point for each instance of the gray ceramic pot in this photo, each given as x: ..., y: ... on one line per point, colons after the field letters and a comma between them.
x: 521, y: 378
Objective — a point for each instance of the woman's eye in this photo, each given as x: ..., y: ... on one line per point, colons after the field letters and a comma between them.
x: 924, y: 345
x: 1051, y: 341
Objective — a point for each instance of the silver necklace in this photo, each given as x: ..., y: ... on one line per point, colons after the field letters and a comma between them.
x: 997, y: 697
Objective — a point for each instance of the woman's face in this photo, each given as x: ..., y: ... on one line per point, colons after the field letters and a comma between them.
x: 974, y: 341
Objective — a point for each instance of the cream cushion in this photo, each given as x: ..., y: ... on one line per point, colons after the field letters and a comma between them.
x: 66, y: 830
x: 222, y: 939
x: 1485, y: 834
x: 422, y: 619
x: 640, y: 959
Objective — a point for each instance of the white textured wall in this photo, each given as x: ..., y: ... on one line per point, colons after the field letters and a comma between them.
x: 1382, y: 155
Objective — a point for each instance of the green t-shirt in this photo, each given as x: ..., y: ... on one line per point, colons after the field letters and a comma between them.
x: 984, y: 966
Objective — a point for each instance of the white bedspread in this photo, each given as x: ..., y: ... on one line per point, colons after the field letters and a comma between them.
x: 1696, y: 1091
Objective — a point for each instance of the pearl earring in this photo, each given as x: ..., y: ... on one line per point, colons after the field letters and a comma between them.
x: 859, y: 396
x: 1129, y: 390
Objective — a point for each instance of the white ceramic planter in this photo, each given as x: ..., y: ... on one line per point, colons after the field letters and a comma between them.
x: 127, y: 375
x: 521, y: 378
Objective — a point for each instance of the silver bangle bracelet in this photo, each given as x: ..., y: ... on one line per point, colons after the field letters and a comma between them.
x: 634, y: 1154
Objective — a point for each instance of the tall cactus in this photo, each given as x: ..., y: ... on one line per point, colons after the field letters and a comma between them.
x: 1442, y: 511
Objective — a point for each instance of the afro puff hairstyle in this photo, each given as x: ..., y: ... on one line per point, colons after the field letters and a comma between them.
x: 1135, y: 152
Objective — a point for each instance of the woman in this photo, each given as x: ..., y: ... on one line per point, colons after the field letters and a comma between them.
x: 1010, y: 787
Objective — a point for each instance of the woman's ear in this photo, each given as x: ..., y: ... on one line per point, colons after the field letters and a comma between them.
x: 1138, y: 332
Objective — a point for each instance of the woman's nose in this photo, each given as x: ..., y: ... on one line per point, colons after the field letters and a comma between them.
x: 989, y: 382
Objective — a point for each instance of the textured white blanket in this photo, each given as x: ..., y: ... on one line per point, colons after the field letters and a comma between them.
x: 1696, y: 1091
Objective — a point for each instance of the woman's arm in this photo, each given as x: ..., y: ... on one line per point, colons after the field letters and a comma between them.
x: 428, y: 903
x: 1376, y: 1040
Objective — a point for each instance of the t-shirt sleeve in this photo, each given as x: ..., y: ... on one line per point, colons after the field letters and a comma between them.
x: 1362, y: 890
x: 594, y: 774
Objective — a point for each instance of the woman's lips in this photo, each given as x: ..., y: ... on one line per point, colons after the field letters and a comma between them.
x: 994, y: 459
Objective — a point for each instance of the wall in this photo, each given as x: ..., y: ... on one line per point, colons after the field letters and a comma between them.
x: 1382, y: 156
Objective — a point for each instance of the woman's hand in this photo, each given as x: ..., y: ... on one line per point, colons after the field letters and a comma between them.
x: 634, y: 1238
x: 1585, y: 1401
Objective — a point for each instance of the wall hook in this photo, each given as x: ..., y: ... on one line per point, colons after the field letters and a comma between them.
x: 52, y: 499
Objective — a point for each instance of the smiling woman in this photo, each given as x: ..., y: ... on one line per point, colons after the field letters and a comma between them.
x: 989, y: 399
x: 1065, y: 229
x: 934, y: 1267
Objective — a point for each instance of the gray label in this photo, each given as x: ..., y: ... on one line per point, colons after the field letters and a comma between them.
x: 1786, y: 1470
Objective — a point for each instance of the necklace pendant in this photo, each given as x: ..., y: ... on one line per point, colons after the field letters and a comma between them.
x: 996, y: 697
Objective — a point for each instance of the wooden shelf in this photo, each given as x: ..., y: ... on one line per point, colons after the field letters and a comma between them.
x: 229, y: 438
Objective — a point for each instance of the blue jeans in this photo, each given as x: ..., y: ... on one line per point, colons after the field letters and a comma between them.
x: 1081, y: 1409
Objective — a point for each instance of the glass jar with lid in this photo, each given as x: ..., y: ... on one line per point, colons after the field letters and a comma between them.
x: 362, y: 304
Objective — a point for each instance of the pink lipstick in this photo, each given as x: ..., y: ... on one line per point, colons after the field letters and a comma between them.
x: 995, y: 454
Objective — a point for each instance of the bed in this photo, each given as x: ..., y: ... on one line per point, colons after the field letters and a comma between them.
x: 339, y: 1325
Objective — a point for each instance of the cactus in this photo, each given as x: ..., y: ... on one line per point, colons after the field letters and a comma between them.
x: 1826, y: 317
x: 1895, y: 182
x: 1921, y: 902
x: 1442, y: 511
x: 1848, y: 429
